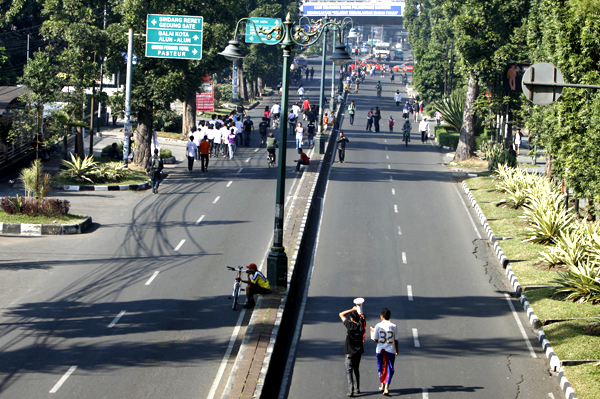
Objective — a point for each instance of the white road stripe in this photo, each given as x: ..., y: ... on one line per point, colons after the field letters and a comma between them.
x: 393, y: 192
x: 425, y: 393
x: 200, y: 220
x: 256, y: 150
x: 409, y: 292
x: 152, y: 278
x: 399, y: 231
x: 416, y: 338
x: 386, y: 147
x: 391, y: 178
x: 248, y: 160
x: 240, y: 171
x: 404, y: 257
x: 116, y: 319
x: 179, y: 245
x: 63, y: 379
x: 523, y: 333
x: 229, y: 184
x: 396, y: 208
x: 551, y: 395
x: 389, y: 167
x: 387, y: 157
x: 385, y: 141
x: 216, y: 199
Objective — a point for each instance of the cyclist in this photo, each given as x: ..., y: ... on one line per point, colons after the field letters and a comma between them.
x: 257, y: 283
x: 275, y: 112
x: 406, y: 128
x: 271, y: 145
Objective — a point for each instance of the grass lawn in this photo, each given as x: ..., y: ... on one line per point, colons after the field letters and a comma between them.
x: 171, y: 135
x: 66, y: 219
x: 572, y: 340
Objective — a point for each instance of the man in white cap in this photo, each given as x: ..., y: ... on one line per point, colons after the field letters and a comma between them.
x: 424, y: 129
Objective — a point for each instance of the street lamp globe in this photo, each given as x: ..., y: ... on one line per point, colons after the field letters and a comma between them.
x: 232, y: 52
x: 352, y: 34
x: 340, y: 56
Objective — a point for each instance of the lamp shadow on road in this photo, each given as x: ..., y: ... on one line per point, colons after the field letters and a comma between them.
x: 350, y: 173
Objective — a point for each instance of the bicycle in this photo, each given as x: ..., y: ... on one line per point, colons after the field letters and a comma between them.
x: 237, y: 286
x: 276, y: 122
x: 271, y: 159
x: 379, y: 92
x: 406, y: 137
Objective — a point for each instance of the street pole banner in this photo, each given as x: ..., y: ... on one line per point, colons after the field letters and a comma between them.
x: 174, y: 36
x: 205, y: 100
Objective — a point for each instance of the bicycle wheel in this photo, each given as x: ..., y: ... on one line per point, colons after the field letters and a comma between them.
x: 236, y: 294
x: 406, y: 139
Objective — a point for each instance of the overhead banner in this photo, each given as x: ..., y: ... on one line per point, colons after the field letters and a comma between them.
x: 205, y: 100
x: 353, y: 9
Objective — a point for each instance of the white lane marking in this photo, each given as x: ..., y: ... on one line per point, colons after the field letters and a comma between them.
x: 399, y: 231
x: 292, y: 353
x: 425, y: 393
x: 404, y: 257
x: 229, y: 184
x: 240, y: 171
x: 468, y: 213
x: 256, y: 150
x: 386, y: 147
x: 551, y: 395
x: 396, y: 208
x: 200, y: 220
x: 393, y: 192
x: 248, y: 160
x: 216, y: 199
x: 385, y: 141
x: 116, y: 319
x: 409, y: 292
x: 62, y: 380
x: 234, y: 334
x: 389, y: 167
x: 152, y: 278
x: 179, y: 245
x: 391, y: 178
x: 523, y: 333
x: 387, y: 157
x: 416, y: 338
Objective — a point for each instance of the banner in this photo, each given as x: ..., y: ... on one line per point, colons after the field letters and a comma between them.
x: 205, y: 100
x: 353, y: 9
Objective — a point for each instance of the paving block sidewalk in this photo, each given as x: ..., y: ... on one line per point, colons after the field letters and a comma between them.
x: 250, y: 376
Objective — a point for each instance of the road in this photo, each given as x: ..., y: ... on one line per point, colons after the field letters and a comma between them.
x: 138, y: 307
x: 395, y: 230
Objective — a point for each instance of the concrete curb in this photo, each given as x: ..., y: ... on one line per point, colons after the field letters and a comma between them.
x: 553, y: 360
x: 29, y: 229
x: 121, y: 187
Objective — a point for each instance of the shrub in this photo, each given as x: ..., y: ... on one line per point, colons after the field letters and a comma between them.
x: 36, y: 182
x: 165, y: 153
x: 497, y: 155
x: 222, y: 93
x: 91, y: 172
x: 12, y: 205
x: 581, y: 283
x: 78, y: 169
x: 446, y: 136
x: 34, y: 207
x: 167, y: 121
x: 547, y: 218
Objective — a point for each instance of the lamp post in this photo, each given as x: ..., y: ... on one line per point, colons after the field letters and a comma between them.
x: 287, y: 36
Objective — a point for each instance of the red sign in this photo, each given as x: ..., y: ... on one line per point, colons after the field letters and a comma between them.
x: 205, y: 100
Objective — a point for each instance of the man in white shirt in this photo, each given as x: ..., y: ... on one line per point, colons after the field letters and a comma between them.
x: 398, y: 98
x: 239, y: 128
x: 190, y: 151
x: 301, y: 92
x: 385, y: 334
x: 424, y: 129
x: 275, y: 111
x: 224, y: 140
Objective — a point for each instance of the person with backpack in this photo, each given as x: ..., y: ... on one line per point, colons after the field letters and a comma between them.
x: 391, y: 124
x: 248, y: 129
x: 155, y: 166
x: 262, y: 131
x: 292, y: 121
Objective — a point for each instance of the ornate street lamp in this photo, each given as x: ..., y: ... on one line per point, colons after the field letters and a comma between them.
x: 287, y: 36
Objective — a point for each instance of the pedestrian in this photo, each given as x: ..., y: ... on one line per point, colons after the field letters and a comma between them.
x: 341, y: 142
x: 232, y: 142
x: 191, y: 148
x: 275, y: 111
x: 304, y: 160
x: 267, y: 114
x: 301, y: 92
x: 385, y: 334
x: 224, y: 130
x: 518, y: 141
x: 369, y: 120
x: 421, y: 106
x: 391, y: 124
x: 424, y: 129
x: 239, y: 129
x: 325, y: 121
x: 353, y: 347
x: 292, y: 121
x: 306, y: 72
x: 248, y: 129
x: 197, y: 140
x: 415, y: 109
x: 351, y: 112
x: 312, y: 73
x: 263, y: 128
x: 154, y: 168
x: 204, y: 151
x: 241, y: 110
x: 299, y: 135
x: 305, y: 108
x: 214, y: 140
x: 406, y: 110
x: 438, y: 117
x: 357, y: 85
x: 296, y: 109
x: 398, y: 98
x: 310, y: 131
x: 392, y: 77
x: 376, y: 119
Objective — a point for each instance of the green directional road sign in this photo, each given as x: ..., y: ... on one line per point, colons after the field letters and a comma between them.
x: 266, y: 23
x: 174, y: 36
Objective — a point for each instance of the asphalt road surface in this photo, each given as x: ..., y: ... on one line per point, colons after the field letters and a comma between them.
x: 395, y: 230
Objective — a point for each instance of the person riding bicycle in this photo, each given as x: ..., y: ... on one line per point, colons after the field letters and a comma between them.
x: 271, y: 145
x: 406, y: 128
x: 257, y: 283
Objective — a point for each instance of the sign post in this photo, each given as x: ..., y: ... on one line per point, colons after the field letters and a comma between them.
x: 174, y: 36
x: 266, y: 24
